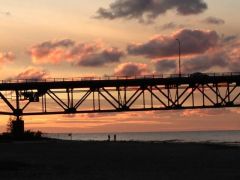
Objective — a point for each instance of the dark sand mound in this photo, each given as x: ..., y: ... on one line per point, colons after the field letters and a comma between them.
x: 54, y: 160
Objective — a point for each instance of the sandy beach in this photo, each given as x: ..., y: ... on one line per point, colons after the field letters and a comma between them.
x: 52, y: 160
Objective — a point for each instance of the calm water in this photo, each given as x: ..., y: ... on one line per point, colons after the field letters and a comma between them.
x: 214, y: 136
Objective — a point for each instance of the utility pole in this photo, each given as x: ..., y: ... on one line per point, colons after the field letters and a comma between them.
x: 179, y: 60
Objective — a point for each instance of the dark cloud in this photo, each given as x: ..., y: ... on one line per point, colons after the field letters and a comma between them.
x: 214, y: 21
x: 193, y: 42
x: 131, y: 69
x: 149, y: 10
x: 82, y: 54
x: 205, y: 62
x: 229, y: 39
x: 165, y: 66
x: 106, y: 56
x: 199, y: 63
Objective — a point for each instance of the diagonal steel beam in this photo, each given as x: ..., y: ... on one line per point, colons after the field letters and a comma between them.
x: 7, y: 102
x: 130, y: 99
x: 179, y: 97
x: 26, y: 105
x: 63, y: 103
x: 168, y: 97
x: 56, y: 101
x: 236, y: 97
x: 229, y: 94
x: 216, y: 92
x: 85, y: 96
x: 190, y: 94
x: 204, y: 94
x: 152, y: 93
x: 134, y: 100
x: 107, y: 100
x: 120, y: 105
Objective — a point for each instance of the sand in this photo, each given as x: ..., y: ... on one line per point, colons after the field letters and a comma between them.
x: 56, y: 160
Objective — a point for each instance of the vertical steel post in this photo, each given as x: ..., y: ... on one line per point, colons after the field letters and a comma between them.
x: 179, y: 55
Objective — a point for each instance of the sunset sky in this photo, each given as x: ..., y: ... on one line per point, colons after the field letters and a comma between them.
x: 75, y: 38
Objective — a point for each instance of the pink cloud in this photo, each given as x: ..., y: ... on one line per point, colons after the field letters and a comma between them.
x: 33, y: 73
x: 82, y: 54
x: 131, y: 69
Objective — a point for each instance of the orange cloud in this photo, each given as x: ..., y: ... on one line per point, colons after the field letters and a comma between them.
x: 33, y: 73
x: 6, y: 57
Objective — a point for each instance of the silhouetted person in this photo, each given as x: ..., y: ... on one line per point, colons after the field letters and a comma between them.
x: 115, y: 137
x: 70, y: 135
x: 109, y: 138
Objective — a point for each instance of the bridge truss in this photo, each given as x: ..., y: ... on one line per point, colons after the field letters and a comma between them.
x: 119, y: 94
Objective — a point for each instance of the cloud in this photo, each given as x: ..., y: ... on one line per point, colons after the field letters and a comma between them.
x: 234, y: 57
x: 5, y: 13
x: 204, y: 112
x: 33, y: 74
x: 170, y: 26
x: 229, y: 39
x: 165, y: 66
x: 199, y: 63
x: 82, y: 54
x: 214, y: 21
x: 111, y: 55
x: 161, y: 46
x: 131, y: 69
x: 225, y: 57
x: 50, y: 51
x: 149, y: 10
x: 6, y: 57
x: 205, y: 62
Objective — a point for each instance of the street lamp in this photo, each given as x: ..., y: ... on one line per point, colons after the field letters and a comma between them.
x: 179, y: 60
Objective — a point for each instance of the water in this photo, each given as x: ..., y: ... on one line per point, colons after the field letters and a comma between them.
x: 212, y: 136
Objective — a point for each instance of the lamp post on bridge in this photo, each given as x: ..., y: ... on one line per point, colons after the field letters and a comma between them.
x: 179, y: 60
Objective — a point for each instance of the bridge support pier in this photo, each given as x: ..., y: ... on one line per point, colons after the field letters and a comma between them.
x: 17, y: 127
x: 18, y: 124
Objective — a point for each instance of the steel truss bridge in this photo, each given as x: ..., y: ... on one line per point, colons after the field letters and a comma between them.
x: 119, y: 94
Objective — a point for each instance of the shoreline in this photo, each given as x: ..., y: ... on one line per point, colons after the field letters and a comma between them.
x: 213, y: 136
x: 174, y: 141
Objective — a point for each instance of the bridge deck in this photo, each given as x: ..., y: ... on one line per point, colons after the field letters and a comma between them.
x: 120, y: 94
x: 93, y: 82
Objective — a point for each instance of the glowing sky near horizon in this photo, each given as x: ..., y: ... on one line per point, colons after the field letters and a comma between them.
x: 26, y: 24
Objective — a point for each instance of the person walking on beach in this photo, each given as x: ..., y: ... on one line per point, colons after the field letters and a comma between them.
x: 109, y: 138
x: 115, y: 137
x: 70, y: 135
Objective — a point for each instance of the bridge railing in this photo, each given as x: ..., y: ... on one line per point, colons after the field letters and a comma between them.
x: 158, y: 76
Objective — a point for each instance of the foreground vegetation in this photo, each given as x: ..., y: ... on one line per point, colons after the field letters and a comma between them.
x: 26, y: 136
